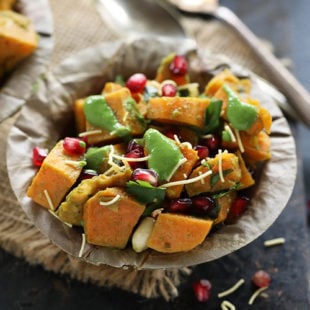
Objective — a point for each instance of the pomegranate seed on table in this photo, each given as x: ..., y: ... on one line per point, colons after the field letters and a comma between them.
x: 136, y: 82
x: 74, y: 146
x: 202, y: 290
x: 203, y: 205
x: 203, y: 151
x: 147, y: 175
x: 38, y: 155
x: 169, y: 90
x: 178, y: 66
x: 261, y: 278
x: 181, y: 205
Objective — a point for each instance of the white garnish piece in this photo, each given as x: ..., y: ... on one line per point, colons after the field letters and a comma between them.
x: 82, y: 245
x: 90, y: 133
x: 187, y: 181
x: 275, y: 241
x: 57, y: 217
x: 49, y: 200
x: 241, y: 148
x: 231, y: 290
x: 176, y: 138
x: 221, y: 166
x: 256, y: 294
x: 186, y: 144
x: 180, y: 163
x: 209, y: 135
x: 142, y: 234
x: 110, y: 202
x: 227, y: 305
x: 116, y: 167
x: 128, y: 159
x: 202, y: 181
x: 230, y: 132
x: 125, y: 116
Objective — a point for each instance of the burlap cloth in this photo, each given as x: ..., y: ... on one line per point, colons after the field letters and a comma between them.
x: 77, y: 25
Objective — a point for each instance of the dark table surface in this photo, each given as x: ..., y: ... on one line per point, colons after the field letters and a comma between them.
x: 30, y: 287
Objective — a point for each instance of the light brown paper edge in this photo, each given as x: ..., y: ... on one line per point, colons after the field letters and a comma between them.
x: 86, y: 73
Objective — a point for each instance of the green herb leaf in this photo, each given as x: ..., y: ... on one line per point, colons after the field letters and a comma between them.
x: 212, y: 116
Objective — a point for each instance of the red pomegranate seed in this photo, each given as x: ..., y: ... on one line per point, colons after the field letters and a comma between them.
x: 238, y: 207
x: 261, y: 278
x: 134, y: 146
x: 147, y: 175
x: 202, y: 290
x: 88, y: 174
x: 74, y: 146
x: 203, y: 205
x: 136, y: 82
x: 213, y: 143
x: 135, y: 150
x: 169, y: 90
x: 172, y: 132
x: 38, y: 155
x: 178, y: 66
x: 202, y: 151
x: 181, y: 205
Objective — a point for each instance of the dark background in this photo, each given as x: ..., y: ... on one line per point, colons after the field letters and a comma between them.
x: 285, y: 24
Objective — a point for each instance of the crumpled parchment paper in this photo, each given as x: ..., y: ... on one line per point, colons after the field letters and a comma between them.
x: 48, y: 115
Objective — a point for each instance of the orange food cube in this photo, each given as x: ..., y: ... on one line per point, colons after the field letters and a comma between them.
x: 178, y: 233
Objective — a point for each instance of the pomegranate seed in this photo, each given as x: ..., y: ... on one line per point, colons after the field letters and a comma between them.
x: 147, y: 175
x: 178, y: 66
x: 181, y: 205
x: 213, y: 143
x: 171, y: 133
x: 202, y: 290
x: 203, y: 205
x: 238, y: 207
x: 38, y: 155
x: 135, y: 150
x: 169, y: 90
x: 74, y: 146
x: 261, y: 278
x: 202, y: 151
x: 88, y: 174
x: 136, y: 82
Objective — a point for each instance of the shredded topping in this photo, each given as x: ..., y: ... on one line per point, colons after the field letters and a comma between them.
x: 187, y: 181
x: 176, y: 138
x: 128, y: 159
x: 230, y: 132
x: 49, y: 200
x: 110, y: 202
x: 111, y: 162
x: 57, y: 217
x: 82, y: 245
x: 76, y: 164
x: 227, y: 305
x: 272, y: 242
x: 221, y: 166
x: 232, y: 289
x: 186, y: 144
x: 256, y: 294
x: 180, y: 163
x: 241, y: 148
x: 90, y: 133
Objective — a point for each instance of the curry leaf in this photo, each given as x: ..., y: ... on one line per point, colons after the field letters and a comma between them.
x: 212, y: 116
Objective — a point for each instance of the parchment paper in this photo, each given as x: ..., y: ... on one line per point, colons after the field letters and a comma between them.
x: 48, y: 114
x: 20, y: 83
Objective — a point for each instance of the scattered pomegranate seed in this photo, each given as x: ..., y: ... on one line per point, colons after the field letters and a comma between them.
x: 202, y: 151
x: 136, y: 82
x: 181, y: 205
x: 88, y: 174
x: 135, y: 150
x: 261, y: 278
x: 202, y: 290
x: 238, y: 207
x: 147, y: 175
x: 178, y: 66
x: 172, y: 132
x: 203, y: 205
x: 213, y: 143
x: 74, y: 146
x: 38, y: 155
x: 169, y: 90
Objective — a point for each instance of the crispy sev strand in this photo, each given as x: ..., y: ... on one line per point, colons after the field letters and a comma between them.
x: 49, y: 200
x: 227, y: 305
x: 82, y: 245
x: 232, y: 289
x: 256, y: 294
x: 110, y: 202
x: 275, y: 241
